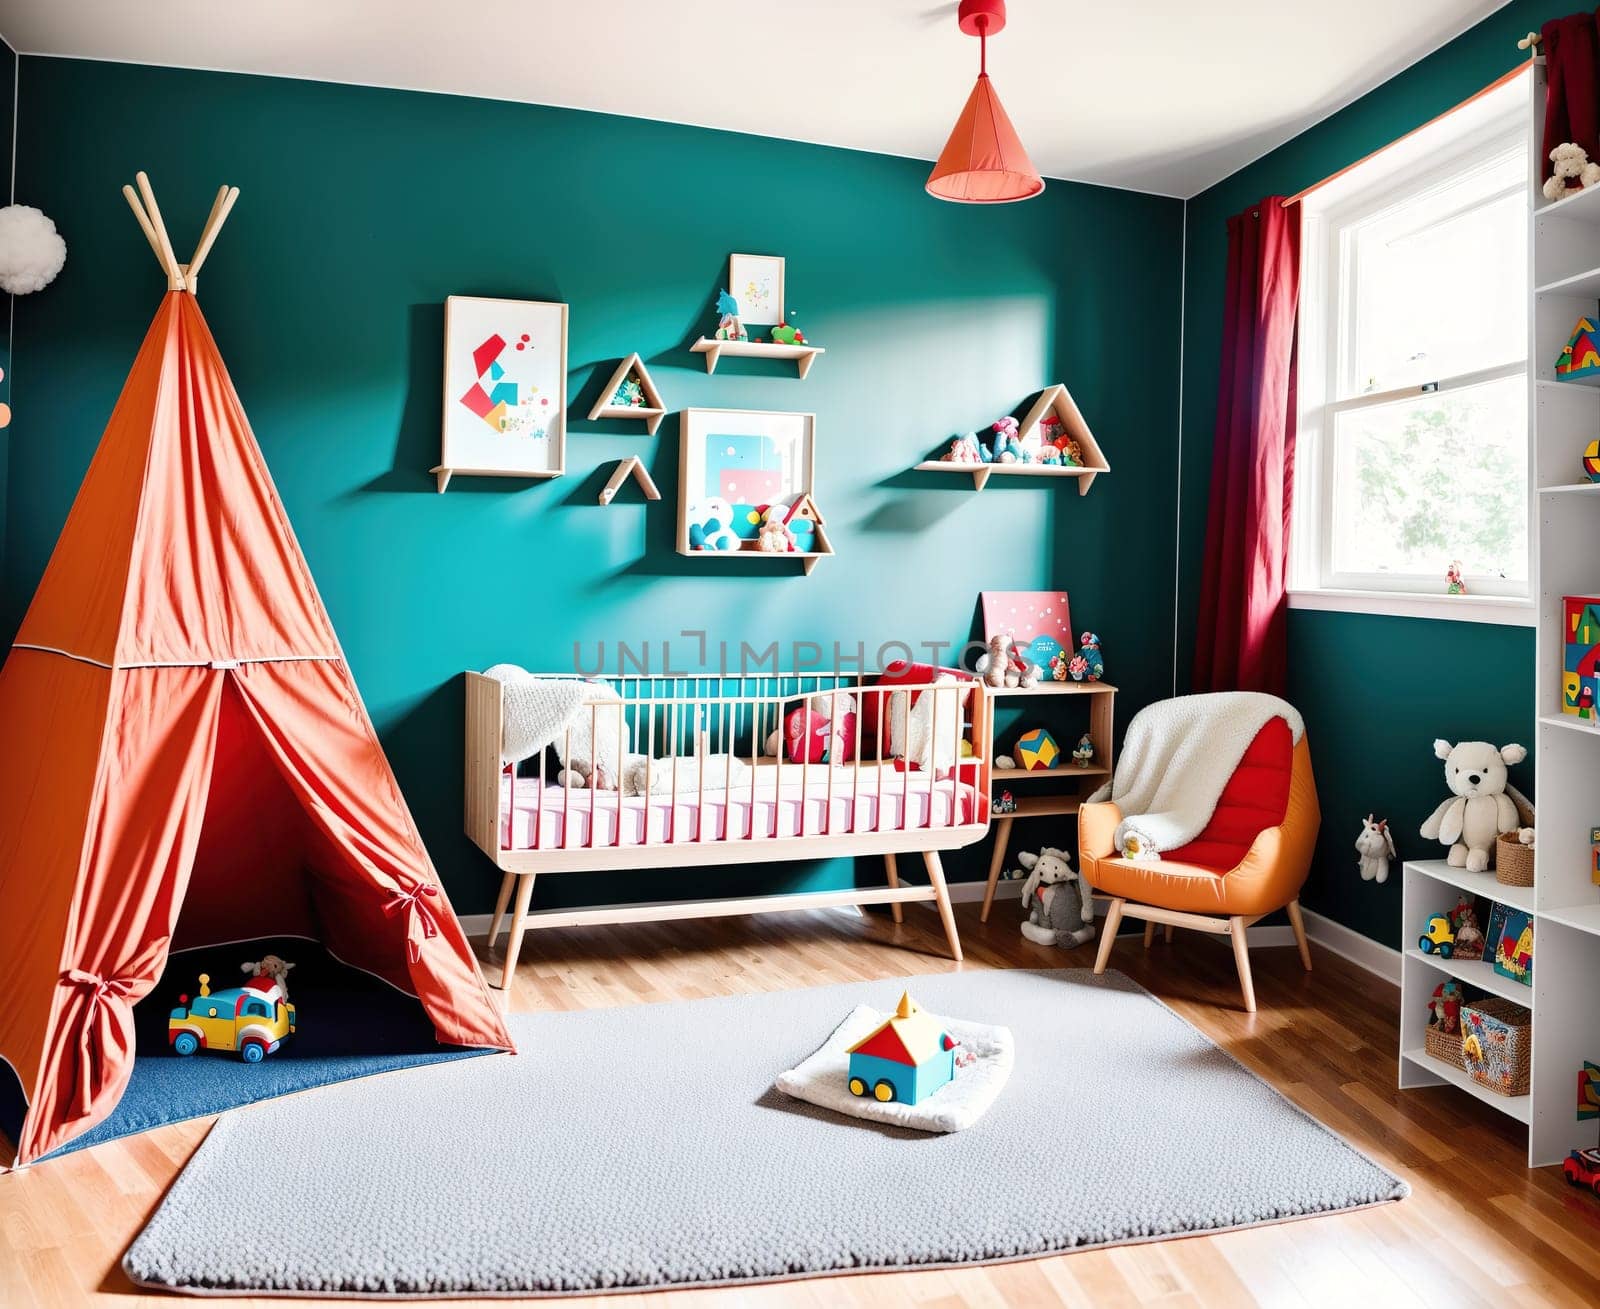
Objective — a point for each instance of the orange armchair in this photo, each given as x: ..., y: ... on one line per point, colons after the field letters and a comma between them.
x: 1252, y: 858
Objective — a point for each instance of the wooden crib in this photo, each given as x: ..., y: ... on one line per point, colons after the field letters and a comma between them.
x: 736, y: 801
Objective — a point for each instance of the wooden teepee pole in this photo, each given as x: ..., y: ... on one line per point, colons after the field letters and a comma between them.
x: 169, y: 260
x: 144, y: 224
x: 219, y: 215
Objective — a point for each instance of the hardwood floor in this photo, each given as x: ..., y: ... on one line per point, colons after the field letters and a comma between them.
x: 1479, y: 1229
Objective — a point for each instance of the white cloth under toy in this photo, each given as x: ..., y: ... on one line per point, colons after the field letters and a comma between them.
x: 1178, y: 756
x: 822, y: 1079
x: 534, y: 710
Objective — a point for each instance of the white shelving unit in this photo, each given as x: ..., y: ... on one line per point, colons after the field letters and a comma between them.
x: 1563, y: 417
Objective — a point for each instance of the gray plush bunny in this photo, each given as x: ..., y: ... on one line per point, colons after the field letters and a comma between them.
x: 1060, y: 904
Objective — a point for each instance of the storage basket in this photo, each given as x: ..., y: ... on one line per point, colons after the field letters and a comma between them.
x: 1445, y: 1047
x: 1513, y: 861
x: 1496, y: 1044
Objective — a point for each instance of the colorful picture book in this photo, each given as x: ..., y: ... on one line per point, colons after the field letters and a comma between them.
x: 1037, y: 622
x: 1580, y: 681
x: 1513, y: 946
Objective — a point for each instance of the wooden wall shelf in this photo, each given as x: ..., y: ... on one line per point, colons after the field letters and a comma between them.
x: 803, y: 355
x: 650, y: 414
x: 633, y: 466
x: 444, y: 474
x: 1056, y: 399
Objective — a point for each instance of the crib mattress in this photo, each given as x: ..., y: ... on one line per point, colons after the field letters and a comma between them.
x: 564, y: 820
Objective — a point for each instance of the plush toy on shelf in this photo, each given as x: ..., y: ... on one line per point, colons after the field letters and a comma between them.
x: 1007, y: 449
x: 1005, y: 803
x: 786, y: 333
x: 967, y: 450
x: 1083, y: 752
x: 775, y: 536
x: 729, y: 328
x: 1060, y: 904
x: 1087, y: 665
x: 1444, y: 1009
x: 1452, y: 578
x: 1571, y: 171
x: 711, y: 525
x: 1375, y: 845
x: 1479, y: 807
x: 1469, y: 936
x: 1003, y: 666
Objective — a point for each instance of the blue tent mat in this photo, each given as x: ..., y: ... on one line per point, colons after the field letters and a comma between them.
x: 348, y: 1024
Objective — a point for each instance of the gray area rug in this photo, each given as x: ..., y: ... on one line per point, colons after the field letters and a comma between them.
x: 644, y: 1147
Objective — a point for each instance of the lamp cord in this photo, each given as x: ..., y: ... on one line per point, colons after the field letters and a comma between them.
x: 983, y: 45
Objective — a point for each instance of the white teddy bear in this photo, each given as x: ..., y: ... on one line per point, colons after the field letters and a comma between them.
x: 1573, y: 171
x: 1479, y: 808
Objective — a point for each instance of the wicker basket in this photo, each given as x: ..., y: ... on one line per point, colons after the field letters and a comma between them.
x: 1513, y: 861
x: 1441, y: 1046
x: 1497, y: 1044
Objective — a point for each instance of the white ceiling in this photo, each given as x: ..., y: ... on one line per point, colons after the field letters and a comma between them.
x: 1166, y: 96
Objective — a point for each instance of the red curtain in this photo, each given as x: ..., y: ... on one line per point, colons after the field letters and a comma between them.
x: 1571, y: 49
x: 1243, y: 596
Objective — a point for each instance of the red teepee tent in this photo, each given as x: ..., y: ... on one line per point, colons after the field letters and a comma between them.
x: 182, y: 734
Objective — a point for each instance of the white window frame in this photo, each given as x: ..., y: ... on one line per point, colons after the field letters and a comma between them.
x: 1428, y: 160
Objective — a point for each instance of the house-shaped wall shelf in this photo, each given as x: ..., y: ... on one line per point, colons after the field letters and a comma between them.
x: 803, y: 355
x: 804, y: 507
x: 650, y: 412
x: 633, y: 466
x: 1053, y: 399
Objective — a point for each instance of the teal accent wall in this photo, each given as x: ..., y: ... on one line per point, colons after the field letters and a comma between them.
x: 8, y: 99
x: 361, y: 210
x: 1375, y: 690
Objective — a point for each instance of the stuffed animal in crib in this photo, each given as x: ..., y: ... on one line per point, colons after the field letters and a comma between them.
x: 1087, y: 665
x: 1375, y: 845
x: 1060, y: 904
x: 729, y: 328
x: 272, y: 967
x: 1478, y: 809
x: 1572, y: 171
x: 595, y: 746
x: 806, y: 731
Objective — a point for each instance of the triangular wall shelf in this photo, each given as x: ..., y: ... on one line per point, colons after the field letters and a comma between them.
x: 651, y: 412
x: 1056, y: 399
x: 635, y: 466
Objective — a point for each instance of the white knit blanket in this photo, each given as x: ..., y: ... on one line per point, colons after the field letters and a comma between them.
x: 534, y: 710
x: 983, y: 1066
x: 1176, y: 760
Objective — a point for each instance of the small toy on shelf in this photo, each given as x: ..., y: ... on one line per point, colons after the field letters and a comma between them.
x: 1469, y: 936
x: 253, y: 1019
x: 1060, y: 904
x: 786, y: 333
x: 711, y: 525
x: 1580, y: 357
x: 1375, y: 845
x: 775, y: 536
x: 1591, y: 461
x: 629, y: 394
x: 1571, y: 171
x: 1452, y: 579
x: 966, y: 450
x: 1003, y: 665
x: 906, y: 1059
x: 1007, y: 448
x: 1582, y: 1168
x: 1005, y: 803
x: 1444, y: 1010
x: 1038, y: 750
x: 1438, y: 937
x: 729, y: 328
x: 1059, y: 664
x: 1083, y: 752
x: 1594, y: 855
x: 1087, y: 665
x: 1479, y: 807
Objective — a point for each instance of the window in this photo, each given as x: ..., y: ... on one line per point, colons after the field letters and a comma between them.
x: 1412, y: 452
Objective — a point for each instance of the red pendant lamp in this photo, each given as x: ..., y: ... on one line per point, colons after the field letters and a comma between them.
x: 984, y: 163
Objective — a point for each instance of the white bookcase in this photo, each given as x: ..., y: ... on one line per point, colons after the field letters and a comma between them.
x: 1565, y: 521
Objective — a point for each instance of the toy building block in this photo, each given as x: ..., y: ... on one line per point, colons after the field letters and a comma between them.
x: 1580, y: 357
x: 906, y: 1059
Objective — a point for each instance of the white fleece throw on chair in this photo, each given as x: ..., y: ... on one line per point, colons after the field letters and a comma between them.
x: 1176, y: 760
